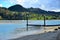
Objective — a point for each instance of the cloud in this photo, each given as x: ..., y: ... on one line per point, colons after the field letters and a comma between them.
x: 58, y: 10
x: 10, y: 1
x: 49, y: 9
x: 0, y: 5
x: 25, y: 3
x: 43, y: 4
x: 50, y: 5
x: 20, y: 1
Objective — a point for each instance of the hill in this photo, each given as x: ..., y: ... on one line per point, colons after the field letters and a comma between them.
x: 17, y: 8
x: 20, y: 8
x: 18, y: 12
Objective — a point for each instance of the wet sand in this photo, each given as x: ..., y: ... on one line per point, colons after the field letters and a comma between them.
x: 47, y: 34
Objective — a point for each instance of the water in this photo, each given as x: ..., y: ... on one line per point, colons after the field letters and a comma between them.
x: 7, y: 27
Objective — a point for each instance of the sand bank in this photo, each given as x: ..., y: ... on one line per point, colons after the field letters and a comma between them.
x: 48, y: 34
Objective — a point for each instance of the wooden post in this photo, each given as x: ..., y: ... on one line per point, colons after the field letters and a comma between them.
x: 27, y: 21
x: 44, y: 22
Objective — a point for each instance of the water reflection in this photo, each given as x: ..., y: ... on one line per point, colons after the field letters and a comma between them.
x: 7, y: 27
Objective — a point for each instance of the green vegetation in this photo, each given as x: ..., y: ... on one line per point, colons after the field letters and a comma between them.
x: 10, y: 15
x: 18, y: 12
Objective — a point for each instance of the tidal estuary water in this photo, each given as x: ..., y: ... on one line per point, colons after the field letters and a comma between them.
x: 8, y: 26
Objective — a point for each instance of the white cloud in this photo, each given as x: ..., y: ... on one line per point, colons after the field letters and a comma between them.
x: 0, y: 5
x: 45, y: 4
x: 56, y: 10
x: 20, y: 1
x: 42, y: 6
x: 34, y: 1
x: 24, y: 2
x: 48, y: 9
x: 11, y: 1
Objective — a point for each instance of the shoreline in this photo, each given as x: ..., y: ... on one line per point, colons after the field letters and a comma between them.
x: 42, y: 36
x: 34, y: 32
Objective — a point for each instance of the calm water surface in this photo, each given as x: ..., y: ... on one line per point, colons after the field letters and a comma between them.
x: 7, y: 28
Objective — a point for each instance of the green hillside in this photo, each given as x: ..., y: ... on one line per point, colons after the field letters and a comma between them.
x: 17, y: 12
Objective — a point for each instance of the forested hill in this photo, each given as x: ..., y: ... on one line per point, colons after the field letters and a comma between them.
x: 18, y: 12
x: 20, y: 8
x: 17, y: 8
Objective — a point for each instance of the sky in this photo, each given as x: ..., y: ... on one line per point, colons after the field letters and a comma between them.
x: 49, y: 5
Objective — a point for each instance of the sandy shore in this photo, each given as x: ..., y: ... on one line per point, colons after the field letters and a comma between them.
x: 44, y: 36
x: 48, y: 34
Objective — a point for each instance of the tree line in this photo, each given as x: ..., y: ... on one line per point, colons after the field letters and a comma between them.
x: 5, y: 14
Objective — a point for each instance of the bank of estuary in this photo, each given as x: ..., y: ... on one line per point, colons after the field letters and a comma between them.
x: 48, y: 34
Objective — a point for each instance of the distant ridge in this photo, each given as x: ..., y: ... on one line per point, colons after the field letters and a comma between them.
x: 20, y: 8
x: 3, y: 8
x: 18, y: 12
x: 17, y: 8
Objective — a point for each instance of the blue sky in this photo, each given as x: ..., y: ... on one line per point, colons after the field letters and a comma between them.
x: 51, y: 5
